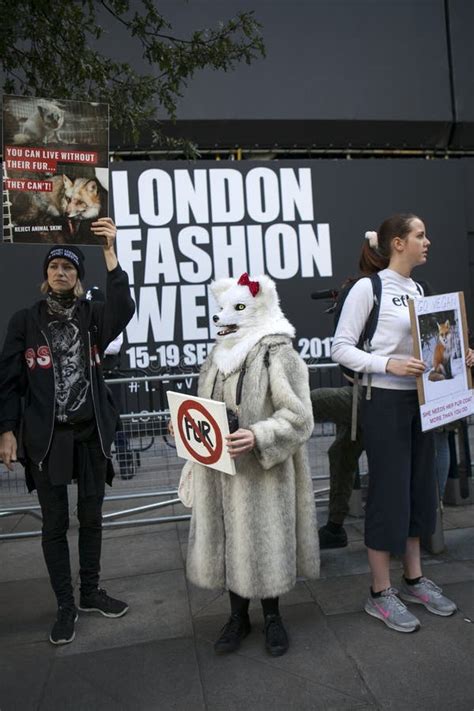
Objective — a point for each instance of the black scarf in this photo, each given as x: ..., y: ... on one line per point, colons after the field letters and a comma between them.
x: 61, y: 305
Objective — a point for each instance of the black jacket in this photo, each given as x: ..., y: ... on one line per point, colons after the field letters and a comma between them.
x: 26, y: 368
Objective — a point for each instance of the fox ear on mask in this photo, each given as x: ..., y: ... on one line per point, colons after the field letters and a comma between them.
x: 268, y: 290
x: 220, y: 286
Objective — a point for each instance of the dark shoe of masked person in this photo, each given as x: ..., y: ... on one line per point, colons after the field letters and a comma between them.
x: 234, y: 631
x: 63, y: 629
x: 99, y: 601
x: 276, y: 638
x: 332, y: 535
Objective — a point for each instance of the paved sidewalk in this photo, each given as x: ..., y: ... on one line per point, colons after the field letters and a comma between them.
x: 160, y: 657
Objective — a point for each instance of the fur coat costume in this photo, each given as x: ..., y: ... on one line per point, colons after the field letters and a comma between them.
x: 255, y: 532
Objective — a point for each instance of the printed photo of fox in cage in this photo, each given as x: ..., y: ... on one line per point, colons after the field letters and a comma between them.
x: 55, y: 169
x: 442, y: 353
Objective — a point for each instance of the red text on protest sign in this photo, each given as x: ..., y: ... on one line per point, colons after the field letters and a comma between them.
x: 201, y: 430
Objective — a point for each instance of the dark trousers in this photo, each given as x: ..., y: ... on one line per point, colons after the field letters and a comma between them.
x: 55, y: 510
x: 335, y: 405
x: 402, y: 493
x: 54, y: 504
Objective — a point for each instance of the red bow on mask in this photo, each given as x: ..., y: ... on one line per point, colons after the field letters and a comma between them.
x: 254, y: 286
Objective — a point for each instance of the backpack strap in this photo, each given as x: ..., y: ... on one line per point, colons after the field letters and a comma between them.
x: 372, y: 321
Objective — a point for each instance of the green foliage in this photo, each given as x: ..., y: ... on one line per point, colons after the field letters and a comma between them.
x: 50, y: 48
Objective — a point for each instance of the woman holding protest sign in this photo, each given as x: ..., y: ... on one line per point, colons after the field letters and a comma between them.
x: 255, y: 532
x: 402, y: 496
x: 51, y: 362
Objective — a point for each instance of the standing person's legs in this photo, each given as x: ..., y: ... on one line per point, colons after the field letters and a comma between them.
x: 276, y: 637
x: 343, y: 461
x: 387, y: 424
x: 442, y: 459
x: 89, y: 512
x: 54, y: 508
x: 335, y: 405
x: 237, y: 626
x: 424, y: 500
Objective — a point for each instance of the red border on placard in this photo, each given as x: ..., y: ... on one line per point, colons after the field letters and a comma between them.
x: 183, y: 411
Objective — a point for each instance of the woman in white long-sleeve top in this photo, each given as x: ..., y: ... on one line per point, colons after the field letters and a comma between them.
x: 402, y: 499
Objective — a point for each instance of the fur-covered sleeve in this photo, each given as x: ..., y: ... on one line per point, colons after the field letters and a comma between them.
x: 291, y: 424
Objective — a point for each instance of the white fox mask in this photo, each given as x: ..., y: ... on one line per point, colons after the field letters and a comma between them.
x: 249, y: 310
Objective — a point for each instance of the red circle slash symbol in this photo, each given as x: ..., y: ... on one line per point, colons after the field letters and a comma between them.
x: 183, y: 414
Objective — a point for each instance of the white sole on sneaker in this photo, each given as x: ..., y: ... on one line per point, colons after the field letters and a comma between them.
x: 65, y: 641
x: 397, y: 628
x: 62, y: 641
x: 105, y: 614
x: 412, y: 598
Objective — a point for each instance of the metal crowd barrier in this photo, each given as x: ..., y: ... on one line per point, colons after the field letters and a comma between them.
x: 145, y: 456
x: 145, y: 461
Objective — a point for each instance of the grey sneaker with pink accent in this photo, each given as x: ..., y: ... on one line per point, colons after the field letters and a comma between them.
x: 388, y: 608
x: 426, y: 592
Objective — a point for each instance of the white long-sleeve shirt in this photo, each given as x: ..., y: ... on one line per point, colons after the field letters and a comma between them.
x: 114, y: 347
x: 392, y: 338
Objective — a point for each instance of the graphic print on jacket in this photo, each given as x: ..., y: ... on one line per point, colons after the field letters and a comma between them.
x: 72, y: 384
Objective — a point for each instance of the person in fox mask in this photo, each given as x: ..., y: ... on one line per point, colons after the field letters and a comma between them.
x: 255, y: 532
x: 52, y: 360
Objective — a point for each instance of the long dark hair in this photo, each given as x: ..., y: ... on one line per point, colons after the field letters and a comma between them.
x: 374, y: 259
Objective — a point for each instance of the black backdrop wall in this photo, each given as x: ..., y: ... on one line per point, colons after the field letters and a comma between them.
x: 343, y: 73
x: 182, y: 224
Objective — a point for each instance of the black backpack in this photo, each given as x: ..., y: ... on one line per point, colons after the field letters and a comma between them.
x: 367, y: 334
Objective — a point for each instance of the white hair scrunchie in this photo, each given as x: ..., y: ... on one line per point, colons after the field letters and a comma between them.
x: 373, y: 239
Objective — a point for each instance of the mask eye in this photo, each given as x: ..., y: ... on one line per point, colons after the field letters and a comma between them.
x: 240, y: 307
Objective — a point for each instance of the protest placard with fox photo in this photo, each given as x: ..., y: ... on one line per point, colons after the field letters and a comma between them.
x: 55, y: 169
x: 439, y: 330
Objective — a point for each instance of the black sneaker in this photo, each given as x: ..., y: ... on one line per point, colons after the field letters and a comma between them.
x: 99, y: 601
x: 63, y: 628
x: 329, y: 539
x: 234, y: 631
x: 276, y: 638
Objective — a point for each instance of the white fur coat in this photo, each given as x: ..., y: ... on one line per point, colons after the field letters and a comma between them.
x: 255, y: 532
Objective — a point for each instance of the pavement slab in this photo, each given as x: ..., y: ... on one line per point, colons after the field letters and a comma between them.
x: 140, y: 677
x: 458, y: 517
x: 311, y: 641
x: 460, y: 543
x: 140, y: 553
x: 23, y: 558
x: 158, y: 610
x: 24, y: 672
x: 348, y: 593
x: 239, y: 682
x: 27, y: 612
x: 430, y: 669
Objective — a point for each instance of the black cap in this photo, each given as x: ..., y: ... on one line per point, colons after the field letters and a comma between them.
x: 73, y: 254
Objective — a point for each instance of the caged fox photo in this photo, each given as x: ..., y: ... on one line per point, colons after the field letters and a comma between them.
x: 62, y: 216
x: 34, y: 121
x: 56, y: 171
x: 441, y: 345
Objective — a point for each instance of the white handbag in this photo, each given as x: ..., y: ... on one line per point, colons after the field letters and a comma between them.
x: 186, y: 485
